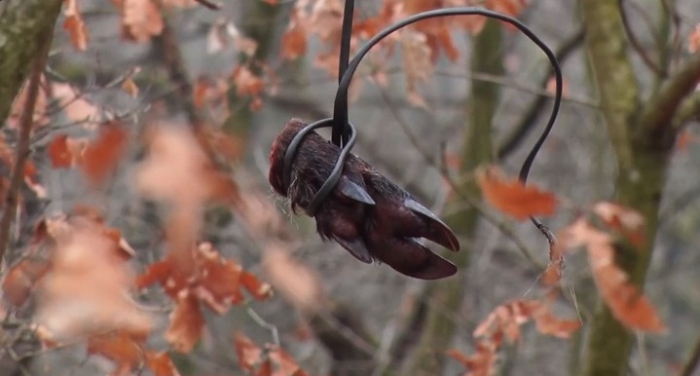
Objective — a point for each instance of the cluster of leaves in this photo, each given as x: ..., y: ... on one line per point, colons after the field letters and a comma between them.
x: 421, y: 44
x: 80, y: 271
x: 603, y: 228
x: 504, y: 323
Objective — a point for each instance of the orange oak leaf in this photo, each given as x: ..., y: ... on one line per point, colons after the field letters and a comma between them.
x: 123, y: 348
x: 163, y: 273
x: 549, y: 324
x: 509, y: 7
x: 481, y: 363
x: 294, y: 39
x: 75, y: 25
x: 286, y: 365
x: 628, y: 222
x: 694, y: 40
x: 220, y: 284
x: 87, y: 288
x: 625, y: 300
x: 186, y: 323
x: 265, y: 369
x: 102, y: 155
x: 59, y: 154
x: 259, y: 290
x: 21, y: 278
x: 75, y: 106
x: 512, y: 197
x: 130, y: 87
x: 248, y: 353
x: 248, y: 84
x: 141, y: 19
x: 627, y: 303
x: 161, y: 364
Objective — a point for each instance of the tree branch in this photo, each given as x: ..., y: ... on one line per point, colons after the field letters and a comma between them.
x: 527, y: 123
x: 167, y: 45
x: 25, y: 131
x: 612, y: 71
x: 688, y: 111
x: 642, y: 137
x: 634, y: 42
x: 663, y: 109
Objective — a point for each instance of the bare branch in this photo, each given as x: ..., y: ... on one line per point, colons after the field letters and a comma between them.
x: 661, y: 110
x: 209, y: 4
x: 167, y: 44
x: 634, y: 43
x: 533, y: 112
x: 688, y: 111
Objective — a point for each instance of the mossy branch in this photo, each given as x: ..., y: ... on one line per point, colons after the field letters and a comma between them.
x: 613, y: 74
x: 662, y: 111
x: 23, y: 30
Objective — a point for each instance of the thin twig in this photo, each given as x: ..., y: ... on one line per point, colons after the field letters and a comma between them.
x: 175, y: 66
x: 209, y: 4
x: 260, y: 321
x: 22, y: 151
x: 671, y: 11
x: 692, y: 363
x: 527, y: 122
x: 636, y: 46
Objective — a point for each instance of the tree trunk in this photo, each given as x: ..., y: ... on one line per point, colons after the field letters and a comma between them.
x: 642, y: 135
x: 445, y: 296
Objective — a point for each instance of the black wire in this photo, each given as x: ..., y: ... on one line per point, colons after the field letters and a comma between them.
x: 340, y: 109
x: 341, y: 97
x: 341, y: 117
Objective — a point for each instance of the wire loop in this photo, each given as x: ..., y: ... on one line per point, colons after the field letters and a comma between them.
x: 335, y: 175
x: 344, y: 133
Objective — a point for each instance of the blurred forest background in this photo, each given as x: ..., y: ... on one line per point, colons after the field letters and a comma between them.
x: 432, y: 105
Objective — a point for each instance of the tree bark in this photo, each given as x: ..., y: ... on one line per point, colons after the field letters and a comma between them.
x: 23, y: 25
x: 445, y: 296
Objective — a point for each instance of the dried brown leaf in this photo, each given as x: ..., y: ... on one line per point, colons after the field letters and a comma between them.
x: 628, y: 222
x: 101, y: 156
x: 248, y: 353
x: 141, y: 19
x: 123, y: 348
x: 161, y: 364
x: 186, y: 323
x: 512, y: 197
x: 626, y: 301
x: 75, y: 25
x: 87, y: 288
x: 694, y: 40
x: 21, y: 278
